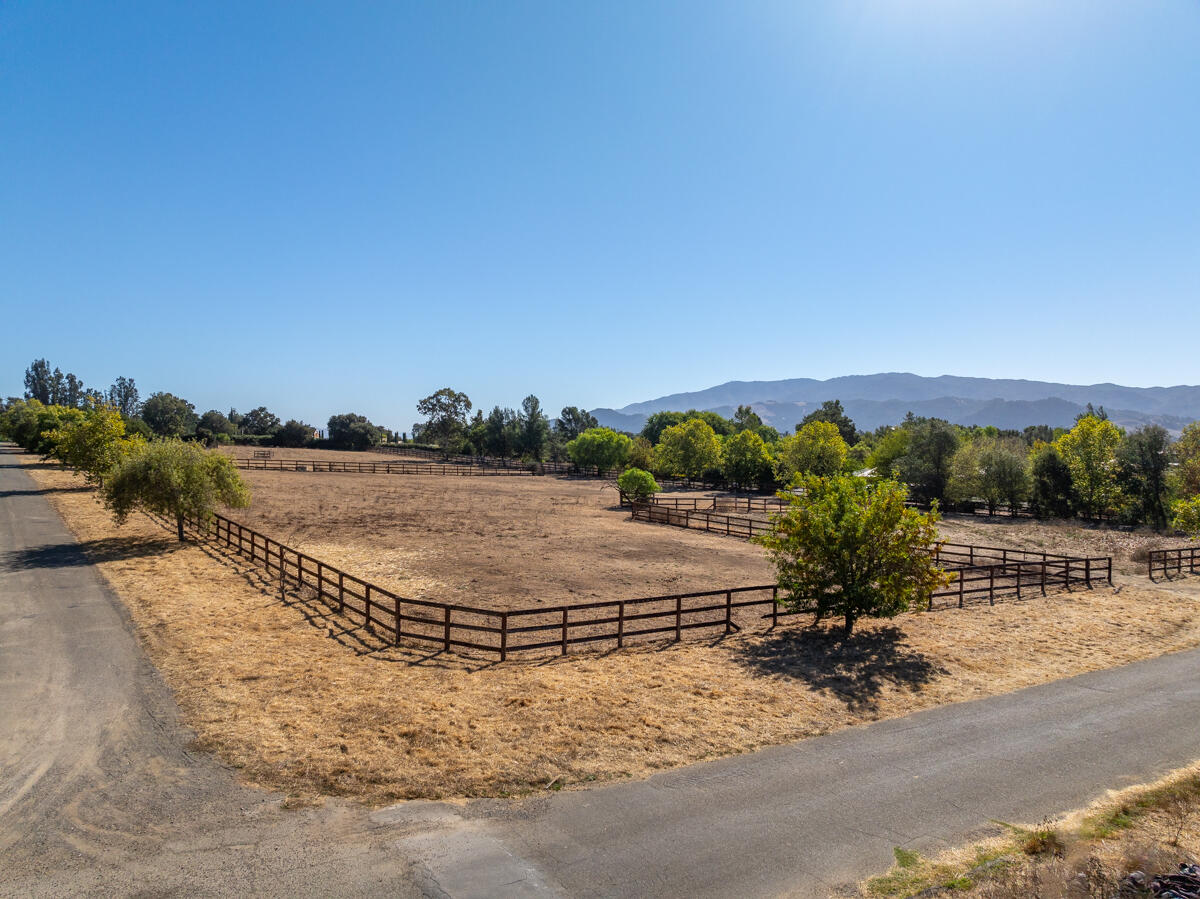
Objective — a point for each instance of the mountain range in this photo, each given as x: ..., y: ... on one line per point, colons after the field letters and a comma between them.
x: 884, y: 399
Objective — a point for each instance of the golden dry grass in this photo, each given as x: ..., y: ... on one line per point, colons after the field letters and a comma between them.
x: 304, y: 703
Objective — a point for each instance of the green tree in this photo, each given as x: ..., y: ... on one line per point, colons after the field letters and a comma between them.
x: 746, y: 459
x: 261, y: 421
x: 599, y: 448
x: 1090, y: 449
x: 637, y: 484
x: 353, y: 431
x: 659, y: 422
x: 573, y: 421
x: 213, y: 423
x: 994, y: 469
x: 925, y: 466
x: 852, y: 549
x: 445, y: 414
x: 173, y: 478
x: 501, y: 433
x: 831, y: 411
x: 295, y: 433
x: 641, y: 454
x: 123, y: 396
x: 533, y: 428
x: 891, y: 443
x: 1143, y: 460
x: 816, y: 449
x: 169, y: 416
x: 1187, y: 452
x: 93, y: 442
x: 1052, y: 494
x: 689, y: 449
x: 1186, y: 518
x: 38, y: 381
x: 746, y: 419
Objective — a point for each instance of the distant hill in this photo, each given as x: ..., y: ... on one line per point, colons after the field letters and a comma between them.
x: 874, y: 400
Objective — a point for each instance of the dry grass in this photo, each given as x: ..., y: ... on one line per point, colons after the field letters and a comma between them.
x: 1150, y: 828
x: 304, y: 703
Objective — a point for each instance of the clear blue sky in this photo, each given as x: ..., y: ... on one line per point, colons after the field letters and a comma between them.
x: 335, y: 207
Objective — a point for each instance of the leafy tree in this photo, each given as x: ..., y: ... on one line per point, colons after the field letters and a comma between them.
x: 169, y: 416
x: 1052, y: 494
x: 994, y: 469
x: 58, y: 388
x: 173, y: 478
x: 890, y: 445
x: 353, y: 431
x: 746, y: 459
x: 599, y: 448
x: 637, y: 484
x: 534, y: 429
x: 721, y: 426
x: 853, y: 549
x: 746, y: 419
x: 831, y: 411
x: 261, y: 421
x: 1089, y: 449
x: 93, y: 442
x: 123, y: 395
x: 38, y: 382
x: 446, y: 417
x: 213, y: 423
x: 816, y: 449
x: 1143, y: 459
x: 501, y: 433
x: 1038, y: 434
x: 689, y: 449
x: 641, y: 454
x: 1187, y: 451
x: 294, y: 433
x: 925, y: 466
x: 1187, y: 516
x: 659, y: 422
x: 573, y: 421
x: 73, y: 395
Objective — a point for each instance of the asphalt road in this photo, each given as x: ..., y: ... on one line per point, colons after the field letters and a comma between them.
x: 99, y: 793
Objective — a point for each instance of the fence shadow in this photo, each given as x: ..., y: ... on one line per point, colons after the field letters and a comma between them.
x: 87, y: 552
x: 855, y: 670
x: 40, y: 491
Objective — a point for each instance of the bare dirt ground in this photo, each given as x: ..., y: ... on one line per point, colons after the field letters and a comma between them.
x: 302, y: 701
x: 500, y: 543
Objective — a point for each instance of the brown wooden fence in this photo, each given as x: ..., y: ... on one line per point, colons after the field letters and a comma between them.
x: 448, y: 626
x: 331, y: 465
x: 712, y: 504
x: 1173, y: 561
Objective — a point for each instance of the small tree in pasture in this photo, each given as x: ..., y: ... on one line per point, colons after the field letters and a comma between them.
x: 637, y: 484
x: 853, y: 550
x: 599, y: 448
x: 176, y: 479
x: 93, y: 443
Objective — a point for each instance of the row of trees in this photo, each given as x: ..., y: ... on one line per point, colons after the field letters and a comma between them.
x: 162, y: 475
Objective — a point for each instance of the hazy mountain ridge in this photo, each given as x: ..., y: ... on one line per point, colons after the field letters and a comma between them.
x: 874, y: 400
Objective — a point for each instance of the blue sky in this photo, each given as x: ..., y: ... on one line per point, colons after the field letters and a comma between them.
x: 335, y: 207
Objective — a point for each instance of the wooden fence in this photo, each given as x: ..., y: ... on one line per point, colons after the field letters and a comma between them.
x: 332, y: 465
x: 448, y: 626
x: 1173, y: 560
x: 712, y: 504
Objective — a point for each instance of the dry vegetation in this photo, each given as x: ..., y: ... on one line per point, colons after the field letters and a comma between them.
x: 306, y: 703
x: 1151, y: 828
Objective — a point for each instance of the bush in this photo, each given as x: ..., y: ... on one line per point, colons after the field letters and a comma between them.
x: 638, y: 484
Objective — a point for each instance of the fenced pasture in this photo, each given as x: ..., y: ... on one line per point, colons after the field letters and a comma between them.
x: 359, y: 467
x: 1173, y: 562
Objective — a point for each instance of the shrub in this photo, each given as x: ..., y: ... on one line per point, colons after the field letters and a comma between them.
x: 637, y: 484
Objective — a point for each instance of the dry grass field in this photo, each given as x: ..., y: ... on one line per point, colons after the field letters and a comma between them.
x: 305, y: 702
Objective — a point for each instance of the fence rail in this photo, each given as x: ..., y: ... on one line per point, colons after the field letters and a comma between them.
x: 332, y: 465
x: 1173, y: 560
x: 500, y: 632
x: 711, y: 504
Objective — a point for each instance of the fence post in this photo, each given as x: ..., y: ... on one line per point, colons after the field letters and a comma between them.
x: 1043, y: 574
x: 367, y: 604
x: 774, y: 607
x: 396, y: 612
x: 728, y: 612
x: 446, y: 637
x: 503, y: 636
x: 961, y: 585
x: 991, y: 585
x: 1067, y: 573
x: 678, y: 617
x: 341, y: 593
x: 1019, y: 573
x: 620, y: 624
x: 1087, y: 572
x: 564, y: 631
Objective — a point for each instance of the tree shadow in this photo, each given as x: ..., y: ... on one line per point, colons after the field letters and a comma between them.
x: 88, y: 552
x: 5, y: 494
x: 855, y: 670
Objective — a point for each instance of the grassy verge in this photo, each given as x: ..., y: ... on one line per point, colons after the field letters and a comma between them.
x: 1150, y: 828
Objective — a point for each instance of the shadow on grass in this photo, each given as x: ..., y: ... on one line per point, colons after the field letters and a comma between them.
x: 40, y: 491
x: 855, y: 670
x: 89, y: 552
